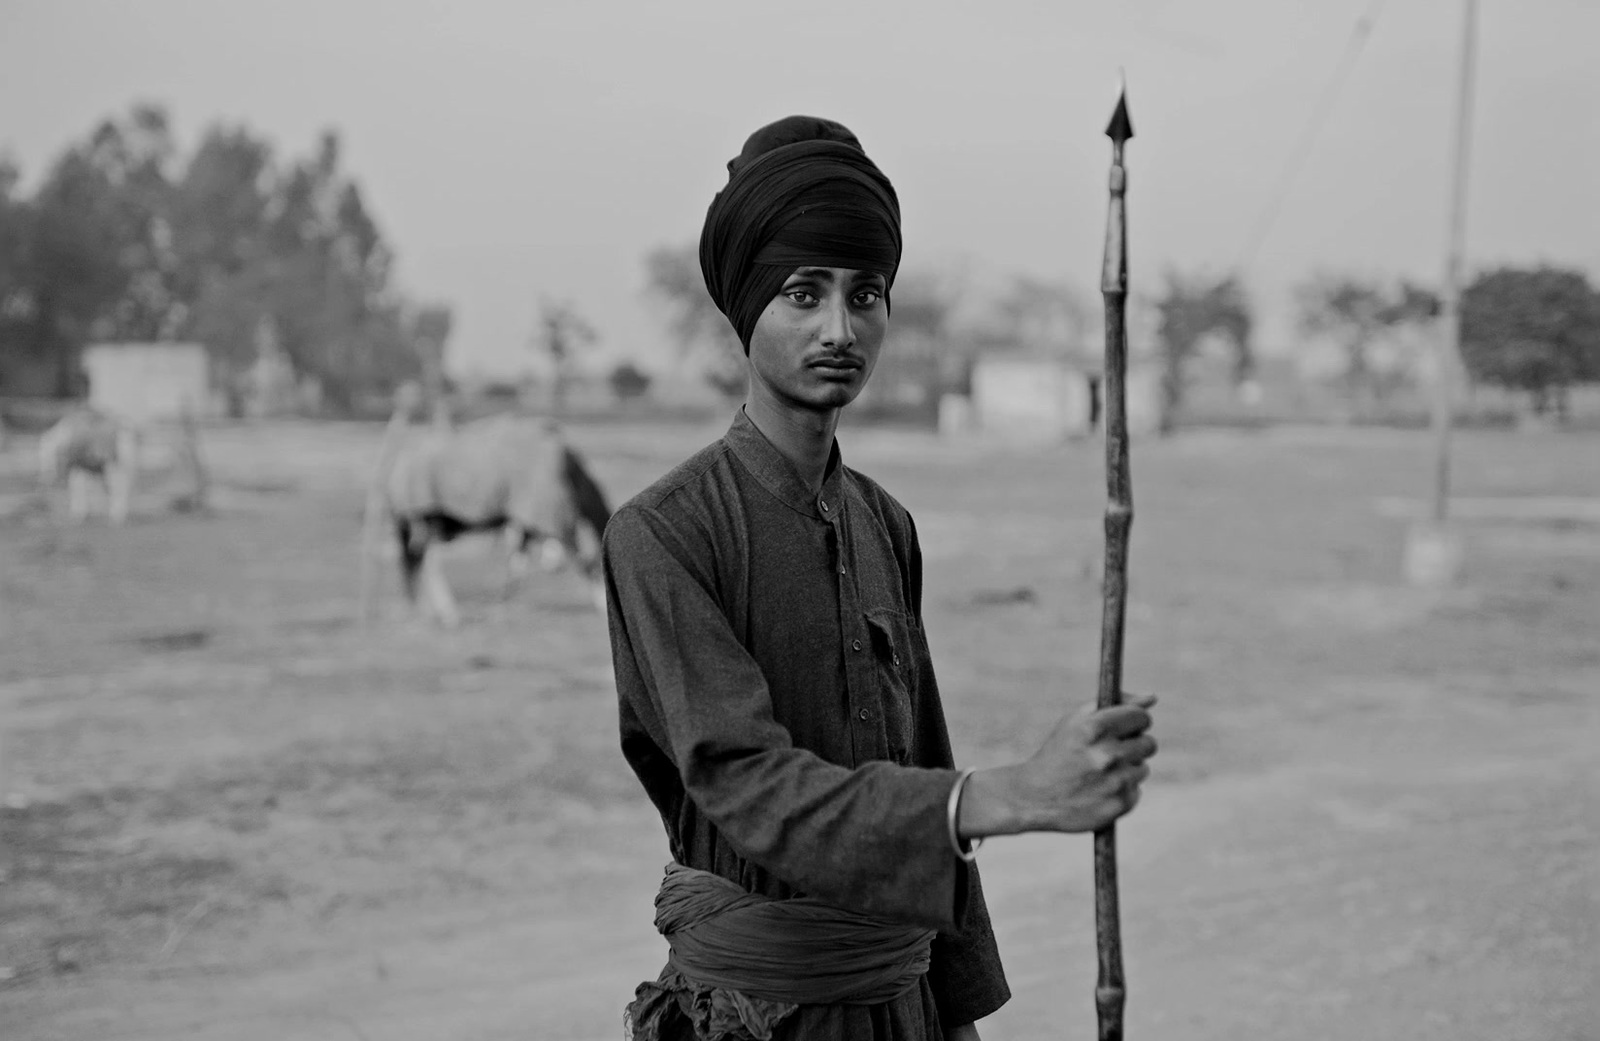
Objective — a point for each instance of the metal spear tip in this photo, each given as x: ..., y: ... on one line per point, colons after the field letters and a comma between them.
x: 1121, y: 127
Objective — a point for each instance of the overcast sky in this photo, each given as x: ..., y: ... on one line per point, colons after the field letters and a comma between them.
x: 515, y: 150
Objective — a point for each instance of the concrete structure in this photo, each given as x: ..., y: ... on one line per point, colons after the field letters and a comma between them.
x: 1046, y: 399
x: 1035, y: 399
x: 1145, y: 406
x: 149, y: 382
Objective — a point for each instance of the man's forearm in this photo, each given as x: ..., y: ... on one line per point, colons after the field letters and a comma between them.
x: 997, y: 802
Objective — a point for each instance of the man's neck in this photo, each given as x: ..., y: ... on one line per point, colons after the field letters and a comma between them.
x: 803, y: 437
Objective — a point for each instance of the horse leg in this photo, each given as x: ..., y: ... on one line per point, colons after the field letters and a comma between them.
x: 517, y: 561
x: 438, y: 590
x: 77, y: 495
x: 553, y: 554
x: 413, y: 544
x: 592, y: 572
x: 119, y: 492
x: 572, y: 549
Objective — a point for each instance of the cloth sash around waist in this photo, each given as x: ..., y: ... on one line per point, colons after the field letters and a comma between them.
x: 800, y: 951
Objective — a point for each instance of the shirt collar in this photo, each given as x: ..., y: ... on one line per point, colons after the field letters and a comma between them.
x: 778, y: 476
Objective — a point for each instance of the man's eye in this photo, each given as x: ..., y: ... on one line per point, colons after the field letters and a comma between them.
x: 868, y: 297
x: 800, y: 296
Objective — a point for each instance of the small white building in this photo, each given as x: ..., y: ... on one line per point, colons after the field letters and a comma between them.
x: 1032, y: 399
x: 1144, y: 398
x: 149, y: 382
x: 1048, y: 399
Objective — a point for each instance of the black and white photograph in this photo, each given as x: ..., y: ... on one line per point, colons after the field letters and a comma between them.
x: 831, y: 521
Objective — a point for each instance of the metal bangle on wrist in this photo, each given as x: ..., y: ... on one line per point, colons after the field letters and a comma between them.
x: 969, y: 852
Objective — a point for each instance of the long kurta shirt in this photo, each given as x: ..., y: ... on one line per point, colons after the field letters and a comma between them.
x: 778, y: 703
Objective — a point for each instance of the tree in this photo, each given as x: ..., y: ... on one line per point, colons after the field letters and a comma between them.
x: 123, y: 241
x: 701, y: 332
x: 135, y: 156
x: 17, y: 296
x: 428, y: 330
x: 561, y: 333
x: 74, y: 274
x: 89, y: 256
x: 1048, y: 317
x: 1189, y: 310
x: 1532, y: 329
x: 1356, y: 315
x: 327, y: 272
x: 220, y: 207
x: 101, y: 244
x: 628, y: 381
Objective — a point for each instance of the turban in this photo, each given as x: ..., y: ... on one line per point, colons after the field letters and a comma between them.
x: 800, y: 193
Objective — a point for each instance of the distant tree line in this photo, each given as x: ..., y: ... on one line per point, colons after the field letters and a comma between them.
x: 126, y: 239
x: 1527, y: 329
x: 1535, y: 330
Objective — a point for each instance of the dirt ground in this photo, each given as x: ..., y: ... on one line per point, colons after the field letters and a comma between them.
x: 231, y: 812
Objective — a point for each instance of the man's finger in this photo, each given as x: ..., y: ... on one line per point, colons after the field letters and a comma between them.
x: 1123, y: 789
x: 1108, y: 753
x: 1137, y: 749
x: 1118, y: 721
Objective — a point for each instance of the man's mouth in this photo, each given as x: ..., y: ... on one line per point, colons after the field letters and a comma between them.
x: 837, y: 364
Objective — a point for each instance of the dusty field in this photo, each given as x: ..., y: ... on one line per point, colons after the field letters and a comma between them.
x: 234, y: 814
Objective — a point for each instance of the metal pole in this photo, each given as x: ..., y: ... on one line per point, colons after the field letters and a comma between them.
x: 1448, y: 354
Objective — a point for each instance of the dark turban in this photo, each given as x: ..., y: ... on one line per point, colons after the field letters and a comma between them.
x: 801, y: 193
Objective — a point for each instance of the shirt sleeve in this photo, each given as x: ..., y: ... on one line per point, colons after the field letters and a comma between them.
x: 870, y: 838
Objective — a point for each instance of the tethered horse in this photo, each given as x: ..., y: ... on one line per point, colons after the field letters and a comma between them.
x: 88, y: 446
x: 508, y: 473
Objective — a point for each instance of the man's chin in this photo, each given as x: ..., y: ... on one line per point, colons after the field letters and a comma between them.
x: 820, y: 397
x: 833, y: 396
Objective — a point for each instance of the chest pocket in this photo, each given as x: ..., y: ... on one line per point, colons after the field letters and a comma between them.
x: 896, y: 640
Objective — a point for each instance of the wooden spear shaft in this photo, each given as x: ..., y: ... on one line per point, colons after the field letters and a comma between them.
x: 1110, y: 990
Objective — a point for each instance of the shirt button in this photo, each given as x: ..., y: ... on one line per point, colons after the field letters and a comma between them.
x: 897, y: 659
x: 824, y: 504
x: 865, y: 715
x: 855, y: 645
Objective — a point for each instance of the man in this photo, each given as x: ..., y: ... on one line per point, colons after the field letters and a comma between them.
x: 777, y: 698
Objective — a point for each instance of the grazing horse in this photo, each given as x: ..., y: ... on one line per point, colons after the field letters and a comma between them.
x: 86, y: 446
x: 507, y: 473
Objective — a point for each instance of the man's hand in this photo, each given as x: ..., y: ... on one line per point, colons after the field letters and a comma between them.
x: 966, y: 1033
x: 1085, y: 776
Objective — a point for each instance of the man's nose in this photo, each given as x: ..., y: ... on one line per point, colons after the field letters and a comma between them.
x: 837, y: 330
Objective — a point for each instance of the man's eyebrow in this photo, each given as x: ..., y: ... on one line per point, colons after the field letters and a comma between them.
x: 824, y: 274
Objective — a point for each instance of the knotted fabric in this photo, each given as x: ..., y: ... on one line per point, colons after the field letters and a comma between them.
x: 800, y: 193
x: 741, y: 963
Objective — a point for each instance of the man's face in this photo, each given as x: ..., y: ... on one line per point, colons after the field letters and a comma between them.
x: 817, y: 341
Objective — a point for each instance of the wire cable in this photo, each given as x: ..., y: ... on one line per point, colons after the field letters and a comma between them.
x: 1319, y: 116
